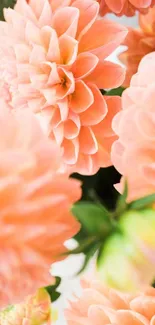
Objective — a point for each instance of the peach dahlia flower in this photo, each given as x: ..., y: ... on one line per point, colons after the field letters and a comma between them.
x: 35, y: 310
x: 101, y: 306
x: 52, y: 58
x: 125, y: 7
x: 133, y: 154
x: 139, y: 42
x: 35, y: 202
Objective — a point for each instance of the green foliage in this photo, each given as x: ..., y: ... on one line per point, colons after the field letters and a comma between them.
x: 5, y: 4
x: 142, y: 202
x: 115, y: 92
x: 94, y: 217
x: 121, y: 205
x: 52, y: 290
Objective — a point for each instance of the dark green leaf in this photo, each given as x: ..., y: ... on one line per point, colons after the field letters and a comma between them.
x: 94, y: 218
x: 5, y: 4
x: 115, y: 92
x: 52, y: 290
x: 143, y: 202
x: 153, y: 284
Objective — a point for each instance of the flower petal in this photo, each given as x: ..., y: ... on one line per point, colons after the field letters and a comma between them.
x: 107, y: 75
x: 65, y: 21
x: 97, y: 111
x: 82, y: 97
x: 102, y: 38
x: 87, y: 141
x: 84, y: 65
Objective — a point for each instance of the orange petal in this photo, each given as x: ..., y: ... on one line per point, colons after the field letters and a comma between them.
x: 116, y: 6
x: 82, y: 97
x: 84, y: 65
x: 49, y: 36
x: 114, y: 106
x: 68, y: 49
x: 65, y: 21
x: 88, y: 13
x: 107, y: 75
x: 102, y: 38
x: 97, y: 111
x: 87, y: 140
x: 71, y: 151
x: 72, y: 126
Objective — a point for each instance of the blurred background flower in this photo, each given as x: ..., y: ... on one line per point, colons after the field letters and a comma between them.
x: 125, y: 7
x: 35, y: 310
x: 127, y: 261
x: 35, y: 202
x: 99, y: 305
x: 140, y: 41
x: 135, y: 127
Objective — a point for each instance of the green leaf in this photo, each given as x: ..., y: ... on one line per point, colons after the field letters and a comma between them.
x: 83, y: 247
x: 52, y: 290
x: 115, y: 92
x: 121, y: 203
x: 95, y: 219
x: 5, y: 4
x: 142, y: 202
x: 88, y: 256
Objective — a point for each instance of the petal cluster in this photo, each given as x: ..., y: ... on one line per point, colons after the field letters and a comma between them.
x: 133, y: 154
x: 35, y: 202
x: 139, y: 42
x: 125, y: 7
x: 35, y: 310
x: 101, y: 306
x: 53, y: 61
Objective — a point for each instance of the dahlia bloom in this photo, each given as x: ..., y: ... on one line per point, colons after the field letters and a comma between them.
x: 62, y: 81
x: 125, y: 7
x: 36, y: 310
x: 101, y: 306
x: 133, y: 154
x: 139, y: 42
x: 131, y: 251
x: 35, y: 202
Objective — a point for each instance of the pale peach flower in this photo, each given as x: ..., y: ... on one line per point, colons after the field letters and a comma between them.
x: 98, y: 305
x: 133, y: 154
x: 35, y: 310
x: 125, y: 7
x: 35, y: 202
x: 52, y: 57
x: 140, y: 42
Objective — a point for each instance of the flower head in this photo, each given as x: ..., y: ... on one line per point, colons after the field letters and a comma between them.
x: 36, y: 310
x: 54, y: 64
x: 139, y: 42
x: 101, y: 306
x: 131, y: 252
x: 35, y: 202
x: 125, y: 7
x: 135, y: 126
